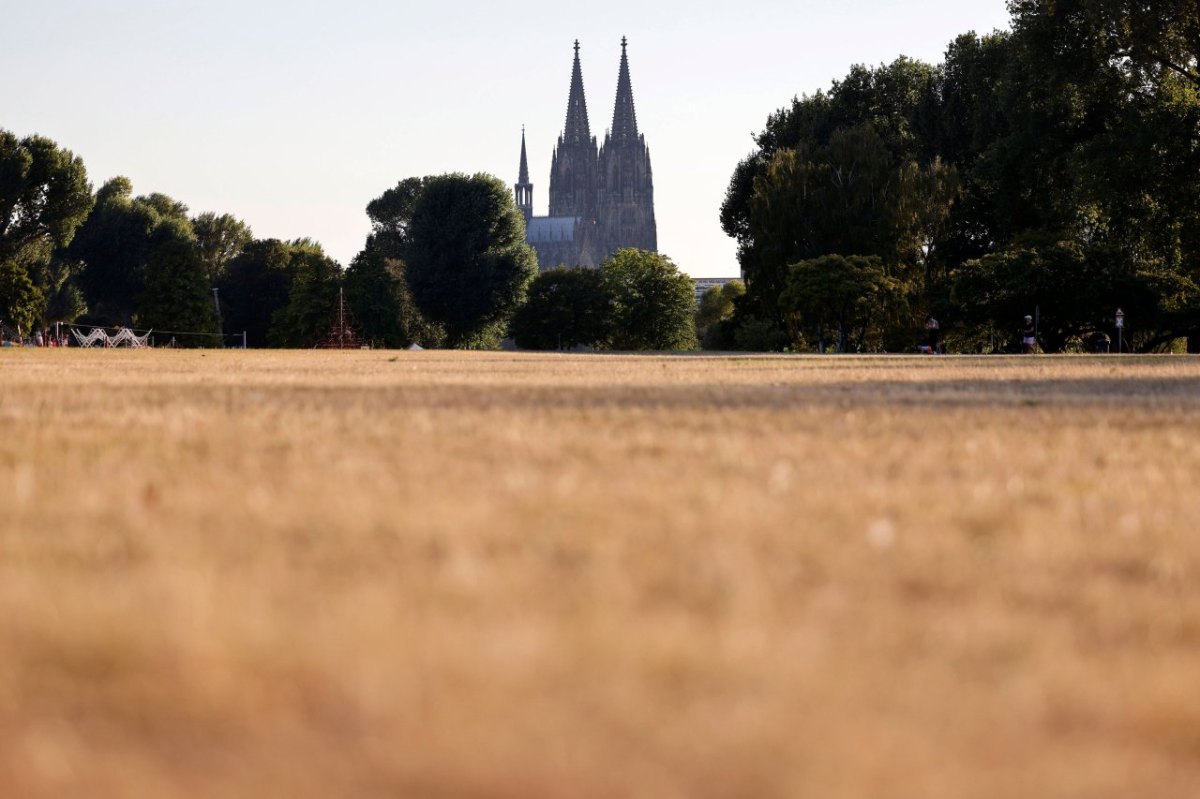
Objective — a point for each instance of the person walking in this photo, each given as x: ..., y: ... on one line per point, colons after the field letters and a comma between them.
x: 1029, y: 342
x: 933, y: 334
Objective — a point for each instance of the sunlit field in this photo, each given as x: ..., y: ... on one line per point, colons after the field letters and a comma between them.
x: 370, y: 574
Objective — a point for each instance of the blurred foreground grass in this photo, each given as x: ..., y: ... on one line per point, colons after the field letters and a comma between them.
x: 233, y: 574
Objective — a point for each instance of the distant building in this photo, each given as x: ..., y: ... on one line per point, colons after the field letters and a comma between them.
x: 601, y: 200
x: 703, y: 284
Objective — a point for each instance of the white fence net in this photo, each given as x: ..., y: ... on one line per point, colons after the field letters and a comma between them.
x: 99, y: 337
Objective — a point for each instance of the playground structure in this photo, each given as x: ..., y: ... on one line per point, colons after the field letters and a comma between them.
x: 124, y: 337
x: 343, y: 333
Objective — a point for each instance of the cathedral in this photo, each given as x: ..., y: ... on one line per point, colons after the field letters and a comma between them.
x: 601, y: 199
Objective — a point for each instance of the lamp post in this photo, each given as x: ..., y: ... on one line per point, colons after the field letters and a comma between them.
x: 220, y: 325
x: 1120, y: 330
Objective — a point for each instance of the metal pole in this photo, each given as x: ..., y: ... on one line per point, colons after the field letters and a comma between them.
x: 243, y: 339
x: 217, y: 305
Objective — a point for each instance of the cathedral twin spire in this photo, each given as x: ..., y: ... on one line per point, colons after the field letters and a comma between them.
x: 577, y: 129
x: 624, y: 126
x: 607, y: 189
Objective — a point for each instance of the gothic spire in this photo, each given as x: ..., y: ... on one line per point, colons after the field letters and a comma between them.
x: 524, y: 176
x: 624, y: 126
x: 523, y: 190
x: 577, y: 129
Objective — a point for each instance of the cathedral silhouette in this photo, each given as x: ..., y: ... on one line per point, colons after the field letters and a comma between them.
x: 601, y: 200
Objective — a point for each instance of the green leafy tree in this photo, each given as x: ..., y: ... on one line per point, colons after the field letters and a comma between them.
x: 21, y: 304
x: 57, y: 282
x: 653, y: 302
x: 116, y: 245
x: 567, y: 308
x: 166, y: 207
x: 849, y: 196
x: 840, y: 299
x: 715, y: 315
x: 44, y: 197
x: 391, y: 216
x: 220, y: 239
x: 844, y: 171
x: 717, y: 304
x: 176, y: 294
x: 1077, y: 293
x: 311, y: 300
x: 467, y: 263
x: 255, y: 286
x: 382, y: 304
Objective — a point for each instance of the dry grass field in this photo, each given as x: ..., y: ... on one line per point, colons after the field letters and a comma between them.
x: 502, y: 576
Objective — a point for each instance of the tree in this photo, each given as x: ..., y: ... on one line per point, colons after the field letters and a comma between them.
x: 841, y: 171
x: 567, y: 308
x: 116, y: 245
x: 391, y: 215
x: 1076, y: 291
x: 311, y: 299
x: 220, y: 239
x: 467, y: 262
x: 1152, y: 39
x: 176, y: 294
x: 381, y: 302
x: 21, y: 304
x: 56, y: 281
x: 652, y: 302
x: 717, y: 303
x: 44, y: 196
x: 839, y: 298
x: 254, y: 287
x: 716, y: 309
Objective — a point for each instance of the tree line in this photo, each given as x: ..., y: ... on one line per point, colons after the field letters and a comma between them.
x: 445, y: 265
x: 1054, y: 166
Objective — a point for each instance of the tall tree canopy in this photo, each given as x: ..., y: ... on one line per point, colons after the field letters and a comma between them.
x: 382, y: 304
x: 280, y: 293
x: 843, y: 172
x: 219, y: 239
x: 1076, y: 132
x: 44, y: 197
x: 567, y: 308
x: 142, y: 265
x: 465, y: 256
x: 652, y: 302
x: 311, y: 298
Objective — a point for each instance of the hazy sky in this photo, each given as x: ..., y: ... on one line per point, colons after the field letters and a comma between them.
x: 293, y: 115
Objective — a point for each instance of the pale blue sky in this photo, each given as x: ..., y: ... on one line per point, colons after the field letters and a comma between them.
x: 293, y: 115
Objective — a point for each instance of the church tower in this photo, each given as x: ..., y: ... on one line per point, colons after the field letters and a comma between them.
x: 573, y: 166
x: 625, y: 215
x: 523, y: 190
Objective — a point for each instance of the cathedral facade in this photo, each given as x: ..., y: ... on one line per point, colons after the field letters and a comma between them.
x: 601, y: 198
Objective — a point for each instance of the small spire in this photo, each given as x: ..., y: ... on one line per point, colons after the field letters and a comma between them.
x: 524, y: 177
x: 624, y: 126
x: 577, y: 128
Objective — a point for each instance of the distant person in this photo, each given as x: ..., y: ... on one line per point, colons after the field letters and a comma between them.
x: 933, y: 334
x: 1029, y: 336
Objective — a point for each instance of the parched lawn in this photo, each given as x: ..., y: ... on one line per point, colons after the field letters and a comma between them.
x: 373, y: 574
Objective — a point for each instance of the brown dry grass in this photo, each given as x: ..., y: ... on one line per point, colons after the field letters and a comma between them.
x: 446, y: 575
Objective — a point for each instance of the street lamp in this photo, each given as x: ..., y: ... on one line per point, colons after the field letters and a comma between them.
x: 1120, y: 330
x: 220, y: 324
